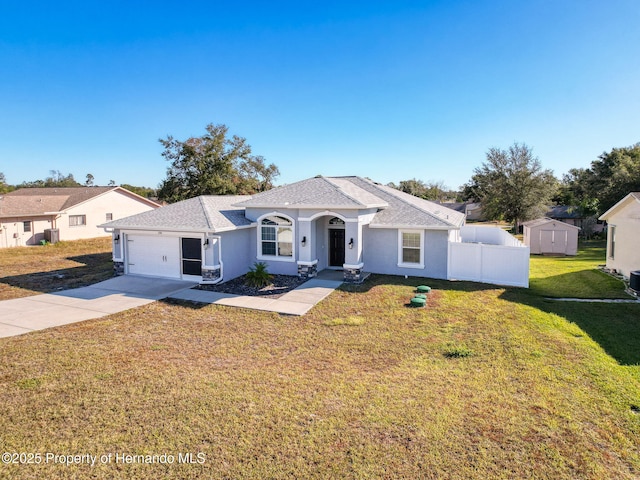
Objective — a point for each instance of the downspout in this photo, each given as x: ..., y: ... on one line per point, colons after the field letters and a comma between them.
x: 221, y: 277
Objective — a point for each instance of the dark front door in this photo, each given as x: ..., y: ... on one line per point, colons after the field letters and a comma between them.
x: 336, y: 247
x: 191, y: 256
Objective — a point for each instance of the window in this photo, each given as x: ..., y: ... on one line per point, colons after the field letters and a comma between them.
x: 109, y: 217
x: 612, y: 241
x: 276, y: 237
x: 77, y: 220
x: 410, y: 249
x: 26, y: 226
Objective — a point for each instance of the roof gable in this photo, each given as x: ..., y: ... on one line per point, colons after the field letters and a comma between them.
x: 545, y: 220
x: 626, y: 201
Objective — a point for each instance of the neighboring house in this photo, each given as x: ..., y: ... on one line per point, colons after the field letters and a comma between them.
x: 623, y: 235
x: 574, y: 216
x: 472, y: 210
x: 27, y: 214
x: 343, y: 223
x: 549, y: 236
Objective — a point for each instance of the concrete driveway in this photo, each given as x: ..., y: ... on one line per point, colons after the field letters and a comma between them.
x: 22, y: 315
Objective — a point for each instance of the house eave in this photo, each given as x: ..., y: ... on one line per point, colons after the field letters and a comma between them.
x: 399, y: 226
x: 169, y: 228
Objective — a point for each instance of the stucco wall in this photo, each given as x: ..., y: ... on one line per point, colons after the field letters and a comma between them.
x: 627, y: 254
x: 118, y: 204
x: 12, y: 232
x: 381, y: 253
x: 238, y: 252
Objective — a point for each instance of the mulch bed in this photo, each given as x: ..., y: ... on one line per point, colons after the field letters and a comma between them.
x: 280, y: 285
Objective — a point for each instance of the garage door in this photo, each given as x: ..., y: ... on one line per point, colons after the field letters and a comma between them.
x: 156, y: 256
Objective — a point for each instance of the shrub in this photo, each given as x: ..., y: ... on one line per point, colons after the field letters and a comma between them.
x: 258, y: 276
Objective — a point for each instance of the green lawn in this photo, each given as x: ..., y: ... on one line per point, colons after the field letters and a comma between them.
x: 486, y: 382
x: 575, y: 277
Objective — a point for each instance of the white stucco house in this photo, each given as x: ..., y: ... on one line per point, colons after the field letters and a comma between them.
x: 74, y: 213
x: 345, y: 223
x: 623, y: 235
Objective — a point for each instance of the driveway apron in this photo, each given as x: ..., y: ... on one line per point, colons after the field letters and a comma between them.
x: 23, y: 315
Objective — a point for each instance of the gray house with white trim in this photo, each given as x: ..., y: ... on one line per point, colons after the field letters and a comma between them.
x: 345, y: 223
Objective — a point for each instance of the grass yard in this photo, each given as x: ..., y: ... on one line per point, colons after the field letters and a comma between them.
x: 575, y: 277
x: 26, y: 271
x: 485, y: 382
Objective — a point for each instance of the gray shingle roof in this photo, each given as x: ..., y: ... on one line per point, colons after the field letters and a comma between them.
x: 408, y: 210
x: 318, y: 192
x: 204, y: 213
x: 219, y: 213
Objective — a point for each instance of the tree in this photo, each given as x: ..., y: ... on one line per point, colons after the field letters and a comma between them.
x: 612, y: 176
x: 512, y: 185
x: 55, y: 179
x: 4, y: 187
x: 213, y: 165
x: 436, y: 191
x: 145, y: 192
x: 89, y: 181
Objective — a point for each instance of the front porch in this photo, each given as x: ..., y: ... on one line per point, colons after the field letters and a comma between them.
x: 330, y: 243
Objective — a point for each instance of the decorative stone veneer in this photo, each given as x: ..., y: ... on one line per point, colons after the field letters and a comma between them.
x: 118, y: 268
x: 307, y: 271
x: 209, y: 275
x: 353, y: 275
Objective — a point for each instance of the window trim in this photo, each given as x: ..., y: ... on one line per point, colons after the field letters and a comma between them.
x: 612, y: 242
x: 276, y: 257
x: 401, y: 247
x: 25, y: 224
x: 83, y: 224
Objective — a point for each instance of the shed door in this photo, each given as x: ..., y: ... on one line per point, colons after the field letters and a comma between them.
x: 546, y: 241
x: 553, y: 241
x: 155, y: 256
x: 559, y: 241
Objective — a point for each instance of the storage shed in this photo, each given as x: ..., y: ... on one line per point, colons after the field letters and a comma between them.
x: 549, y: 236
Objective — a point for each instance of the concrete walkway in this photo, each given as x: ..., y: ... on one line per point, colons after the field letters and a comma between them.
x: 595, y: 300
x: 22, y: 315
x: 297, y: 302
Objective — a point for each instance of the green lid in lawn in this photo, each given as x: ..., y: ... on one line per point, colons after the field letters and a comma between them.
x: 418, y: 302
x: 423, y: 289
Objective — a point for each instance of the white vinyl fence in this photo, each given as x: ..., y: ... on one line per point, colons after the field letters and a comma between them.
x: 489, y: 255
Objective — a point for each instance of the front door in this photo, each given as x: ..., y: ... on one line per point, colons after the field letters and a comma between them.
x: 336, y: 247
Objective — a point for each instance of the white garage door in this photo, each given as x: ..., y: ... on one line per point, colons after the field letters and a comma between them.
x: 156, y: 256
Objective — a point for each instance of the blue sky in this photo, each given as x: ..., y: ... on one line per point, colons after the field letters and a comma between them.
x: 390, y: 90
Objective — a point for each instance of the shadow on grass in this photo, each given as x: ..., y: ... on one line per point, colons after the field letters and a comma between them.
x: 95, y: 268
x: 376, y: 279
x: 588, y: 283
x: 614, y: 326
